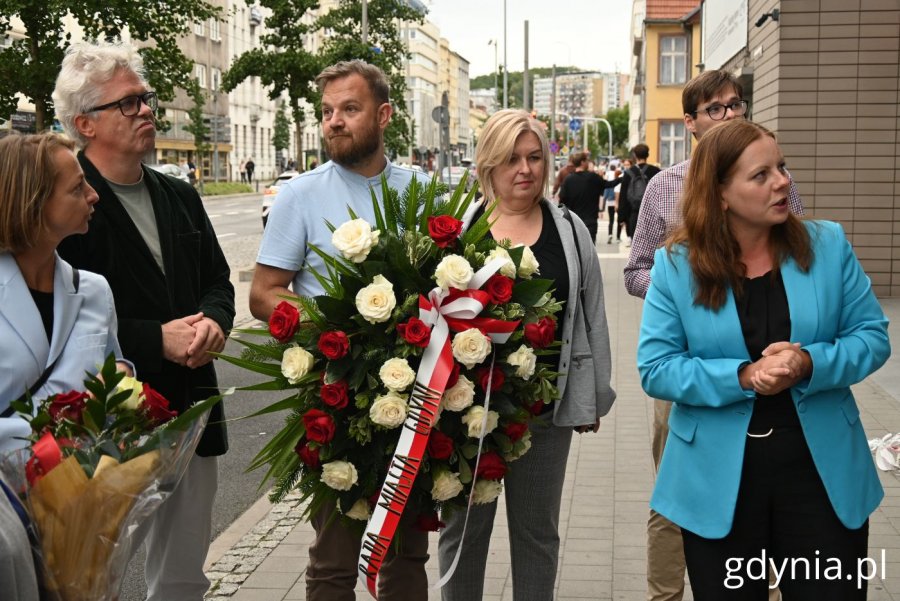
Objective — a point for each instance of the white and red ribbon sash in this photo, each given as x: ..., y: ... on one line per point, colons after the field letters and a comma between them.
x: 462, y: 309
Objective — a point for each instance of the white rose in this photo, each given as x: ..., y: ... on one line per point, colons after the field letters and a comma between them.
x: 446, y: 486
x: 529, y: 265
x: 339, y: 475
x: 136, y: 389
x: 460, y: 396
x: 354, y: 239
x: 396, y: 374
x: 509, y: 268
x: 520, y: 447
x: 376, y: 301
x: 359, y: 511
x: 470, y: 347
x: 473, y: 418
x: 453, y: 272
x: 486, y: 491
x: 524, y: 360
x: 388, y: 410
x: 296, y: 363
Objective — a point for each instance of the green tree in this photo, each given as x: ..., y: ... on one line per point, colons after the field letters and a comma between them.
x: 198, y: 128
x: 281, y: 62
x: 385, y: 48
x: 618, y: 118
x: 29, y: 66
x: 281, y: 130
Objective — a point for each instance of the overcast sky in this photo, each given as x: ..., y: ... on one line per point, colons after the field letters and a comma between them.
x: 590, y: 34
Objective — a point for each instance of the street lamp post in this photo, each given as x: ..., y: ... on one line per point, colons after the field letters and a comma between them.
x: 496, y: 64
x: 505, y: 64
x: 365, y: 23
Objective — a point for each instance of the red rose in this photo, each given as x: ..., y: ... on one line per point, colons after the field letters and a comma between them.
x: 444, y: 229
x: 540, y: 334
x: 319, y: 426
x: 284, y: 321
x: 415, y: 331
x: 491, y: 466
x: 536, y: 408
x: 335, y: 395
x: 334, y: 345
x: 496, y: 382
x: 428, y: 522
x: 68, y: 405
x: 515, y: 430
x: 308, y: 455
x: 500, y: 288
x: 156, y: 406
x: 454, y: 376
x: 440, y: 446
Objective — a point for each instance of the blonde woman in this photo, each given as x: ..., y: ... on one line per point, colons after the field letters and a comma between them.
x: 513, y: 162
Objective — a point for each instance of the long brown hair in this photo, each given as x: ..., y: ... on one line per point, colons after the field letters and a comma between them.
x: 713, y: 253
x: 28, y: 173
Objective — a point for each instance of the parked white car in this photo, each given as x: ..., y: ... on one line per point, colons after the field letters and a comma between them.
x: 170, y: 169
x: 271, y: 192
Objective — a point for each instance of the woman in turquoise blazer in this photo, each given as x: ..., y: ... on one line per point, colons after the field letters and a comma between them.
x: 755, y: 327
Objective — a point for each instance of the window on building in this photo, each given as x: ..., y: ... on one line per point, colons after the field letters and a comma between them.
x: 198, y: 28
x: 215, y: 78
x: 200, y: 74
x: 672, y: 143
x: 214, y: 30
x: 673, y: 59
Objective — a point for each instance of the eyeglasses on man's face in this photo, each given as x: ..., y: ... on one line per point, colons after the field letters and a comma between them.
x: 130, y: 105
x: 717, y: 112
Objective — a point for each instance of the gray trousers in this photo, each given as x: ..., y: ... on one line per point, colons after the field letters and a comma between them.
x: 533, y: 487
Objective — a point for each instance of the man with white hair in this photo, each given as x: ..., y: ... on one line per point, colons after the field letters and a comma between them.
x: 152, y: 240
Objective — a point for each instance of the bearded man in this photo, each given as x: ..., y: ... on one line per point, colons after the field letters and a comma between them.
x: 356, y: 110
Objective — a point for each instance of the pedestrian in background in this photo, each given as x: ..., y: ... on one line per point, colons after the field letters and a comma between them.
x: 250, y: 166
x: 243, y: 169
x: 610, y: 199
x: 356, y: 109
x: 755, y: 326
x: 581, y: 192
x: 152, y: 240
x: 634, y: 183
x: 514, y: 164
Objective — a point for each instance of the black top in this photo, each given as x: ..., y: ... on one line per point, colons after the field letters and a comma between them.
x: 551, y: 257
x: 581, y: 192
x: 765, y: 318
x: 44, y: 302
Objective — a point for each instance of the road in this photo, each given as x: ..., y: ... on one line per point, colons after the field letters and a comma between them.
x: 239, y: 228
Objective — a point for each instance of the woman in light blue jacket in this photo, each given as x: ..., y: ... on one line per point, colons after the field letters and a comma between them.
x: 755, y: 326
x: 56, y: 323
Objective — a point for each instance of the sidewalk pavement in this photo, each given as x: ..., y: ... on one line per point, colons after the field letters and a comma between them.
x: 609, y: 478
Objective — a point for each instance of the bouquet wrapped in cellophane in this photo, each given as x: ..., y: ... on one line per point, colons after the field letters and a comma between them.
x: 414, y: 377
x: 97, y: 464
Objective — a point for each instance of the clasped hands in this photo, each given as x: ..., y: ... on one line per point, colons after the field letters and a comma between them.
x: 781, y: 366
x: 190, y: 340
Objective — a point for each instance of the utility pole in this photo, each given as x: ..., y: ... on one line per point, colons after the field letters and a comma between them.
x: 505, y: 64
x: 553, y: 104
x: 365, y: 23
x: 526, y: 96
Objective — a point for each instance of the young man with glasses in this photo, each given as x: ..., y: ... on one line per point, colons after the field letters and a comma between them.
x: 711, y: 98
x: 152, y: 240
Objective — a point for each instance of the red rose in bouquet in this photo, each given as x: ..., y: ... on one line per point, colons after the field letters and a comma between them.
x: 536, y: 407
x: 428, y: 522
x: 69, y: 405
x: 319, y: 426
x: 515, y: 430
x: 440, y: 446
x: 308, y: 455
x: 500, y: 288
x: 284, y: 321
x: 444, y: 230
x: 496, y: 382
x: 156, y: 406
x: 491, y: 466
x: 415, y: 331
x: 541, y: 333
x: 335, y: 395
x: 334, y: 345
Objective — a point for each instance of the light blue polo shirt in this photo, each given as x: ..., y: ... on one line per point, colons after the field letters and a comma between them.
x: 304, y: 204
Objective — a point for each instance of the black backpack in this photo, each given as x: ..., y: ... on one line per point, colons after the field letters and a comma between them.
x: 637, y: 185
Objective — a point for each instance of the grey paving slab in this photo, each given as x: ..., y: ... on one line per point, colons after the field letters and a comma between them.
x: 608, y: 484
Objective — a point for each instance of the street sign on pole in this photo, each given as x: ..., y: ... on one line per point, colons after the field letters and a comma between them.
x: 554, y: 147
x: 574, y: 124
